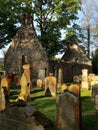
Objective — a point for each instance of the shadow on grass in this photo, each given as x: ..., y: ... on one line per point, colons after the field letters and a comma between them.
x: 37, y: 97
x: 90, y: 122
x: 36, y: 90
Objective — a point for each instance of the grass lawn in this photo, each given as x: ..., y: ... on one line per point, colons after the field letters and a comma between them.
x: 47, y: 105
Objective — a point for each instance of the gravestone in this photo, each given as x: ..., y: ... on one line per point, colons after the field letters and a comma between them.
x: 2, y: 99
x: 64, y: 87
x: 17, y: 80
x: 39, y: 83
x: 26, y: 68
x: 74, y: 88
x: 67, y: 112
x: 60, y: 78
x: 84, y: 83
x: 24, y: 89
x: 96, y: 104
x: 94, y: 90
x: 24, y: 118
x: 50, y: 85
x: 6, y: 89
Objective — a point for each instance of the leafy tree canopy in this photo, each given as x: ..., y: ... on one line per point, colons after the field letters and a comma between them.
x: 95, y: 61
x: 49, y: 17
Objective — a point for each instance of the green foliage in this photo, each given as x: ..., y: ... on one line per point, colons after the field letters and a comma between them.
x: 95, y: 61
x: 50, y: 17
x: 1, y: 66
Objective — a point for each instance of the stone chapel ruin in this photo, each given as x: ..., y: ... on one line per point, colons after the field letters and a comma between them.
x: 26, y: 48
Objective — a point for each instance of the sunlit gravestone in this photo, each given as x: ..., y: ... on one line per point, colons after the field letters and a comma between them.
x: 6, y: 89
x: 26, y: 69
x: 84, y: 83
x: 2, y: 99
x: 24, y: 89
x: 50, y: 85
x: 60, y: 77
x: 39, y: 83
x: 63, y: 87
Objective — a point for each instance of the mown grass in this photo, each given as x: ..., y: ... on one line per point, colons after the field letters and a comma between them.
x: 47, y: 105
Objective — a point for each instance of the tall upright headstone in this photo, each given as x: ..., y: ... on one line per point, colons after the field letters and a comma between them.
x: 84, y: 83
x: 67, y: 112
x: 26, y: 68
x: 60, y: 77
x: 24, y: 88
x: 96, y: 104
x: 2, y: 99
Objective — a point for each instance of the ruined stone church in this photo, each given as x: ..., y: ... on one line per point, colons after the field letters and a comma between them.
x: 26, y: 48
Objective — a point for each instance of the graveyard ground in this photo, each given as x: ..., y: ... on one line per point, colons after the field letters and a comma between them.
x: 47, y: 106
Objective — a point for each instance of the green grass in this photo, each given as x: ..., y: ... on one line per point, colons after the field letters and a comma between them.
x: 47, y: 105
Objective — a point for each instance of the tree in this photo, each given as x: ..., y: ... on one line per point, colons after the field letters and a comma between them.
x: 95, y: 62
x: 88, y: 9
x: 48, y: 17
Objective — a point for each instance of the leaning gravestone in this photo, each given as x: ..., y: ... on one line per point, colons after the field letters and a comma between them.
x: 2, y: 100
x: 67, y: 112
x: 50, y: 85
x: 24, y: 118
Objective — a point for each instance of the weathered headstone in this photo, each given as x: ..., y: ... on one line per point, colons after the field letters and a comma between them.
x: 39, y: 83
x: 50, y: 85
x: 84, y: 83
x: 24, y: 89
x: 17, y: 80
x: 2, y: 100
x: 67, y: 112
x: 60, y: 78
x: 96, y: 104
x: 6, y: 89
x: 5, y: 83
x: 64, y: 87
x: 94, y: 90
x: 26, y: 68
x: 24, y: 118
x: 74, y: 88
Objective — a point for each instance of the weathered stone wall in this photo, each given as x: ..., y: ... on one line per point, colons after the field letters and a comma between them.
x: 26, y: 44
